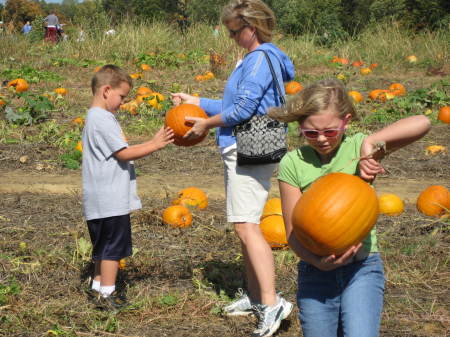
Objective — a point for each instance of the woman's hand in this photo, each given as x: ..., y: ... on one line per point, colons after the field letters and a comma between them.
x: 180, y: 97
x: 327, y: 263
x: 199, y: 128
x: 369, y: 165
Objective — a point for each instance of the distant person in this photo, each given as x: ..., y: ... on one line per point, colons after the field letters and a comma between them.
x: 26, y: 29
x: 216, y: 31
x: 81, y: 36
x: 51, y: 24
x: 109, y: 181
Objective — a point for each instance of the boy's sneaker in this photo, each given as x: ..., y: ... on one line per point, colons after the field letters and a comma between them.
x: 269, y: 318
x: 242, y: 306
x: 113, y: 302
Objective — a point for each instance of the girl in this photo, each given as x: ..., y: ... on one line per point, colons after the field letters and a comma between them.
x: 249, y: 90
x: 337, y: 295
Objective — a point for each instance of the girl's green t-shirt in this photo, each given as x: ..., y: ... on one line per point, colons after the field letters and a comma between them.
x: 301, y: 167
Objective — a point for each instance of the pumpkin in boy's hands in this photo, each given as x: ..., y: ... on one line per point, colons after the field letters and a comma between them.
x: 336, y: 212
x: 434, y: 201
x: 175, y: 119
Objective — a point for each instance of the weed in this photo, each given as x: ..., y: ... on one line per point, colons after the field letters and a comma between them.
x: 8, y: 289
x: 33, y: 109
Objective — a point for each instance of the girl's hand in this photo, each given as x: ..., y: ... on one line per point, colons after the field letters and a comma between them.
x: 327, y: 263
x: 369, y: 165
x: 163, y: 137
x: 199, y: 128
x: 180, y: 97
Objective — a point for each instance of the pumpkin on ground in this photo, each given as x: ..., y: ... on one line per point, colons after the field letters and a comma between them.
x: 336, y: 212
x: 293, y: 87
x: 272, y: 207
x: 145, y: 67
x: 377, y: 94
x: 411, y: 58
x: 177, y: 216
x: 61, y: 91
x: 2, y: 102
x: 155, y: 100
x: 444, y: 114
x: 356, y: 96
x: 141, y: 91
x: 434, y: 200
x: 435, y: 149
x: 122, y: 264
x: 78, y: 121
x: 79, y: 146
x: 357, y: 63
x: 365, y: 71
x: 273, y: 230
x: 397, y: 89
x: 191, y: 196
x: 175, y: 119
x: 19, y: 84
x: 390, y: 204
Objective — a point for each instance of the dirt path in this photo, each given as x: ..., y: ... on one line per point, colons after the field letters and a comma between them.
x: 157, y: 185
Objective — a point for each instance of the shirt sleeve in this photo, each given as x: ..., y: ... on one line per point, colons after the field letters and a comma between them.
x: 108, y: 138
x: 255, y: 79
x: 287, y: 171
x: 211, y: 106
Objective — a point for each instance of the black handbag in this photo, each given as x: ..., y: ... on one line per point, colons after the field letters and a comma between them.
x: 261, y: 139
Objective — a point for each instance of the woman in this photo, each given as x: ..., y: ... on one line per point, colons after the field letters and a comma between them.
x: 250, y: 89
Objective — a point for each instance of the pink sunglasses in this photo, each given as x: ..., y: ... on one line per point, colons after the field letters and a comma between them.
x: 328, y: 133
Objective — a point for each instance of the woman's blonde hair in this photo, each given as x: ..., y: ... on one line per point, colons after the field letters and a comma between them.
x: 254, y: 13
x: 112, y: 75
x: 316, y: 97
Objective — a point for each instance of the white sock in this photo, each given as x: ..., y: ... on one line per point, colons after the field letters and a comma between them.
x: 95, y: 285
x: 107, y: 290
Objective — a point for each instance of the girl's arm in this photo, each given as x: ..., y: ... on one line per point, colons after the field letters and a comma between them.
x: 289, y: 197
x: 392, y: 137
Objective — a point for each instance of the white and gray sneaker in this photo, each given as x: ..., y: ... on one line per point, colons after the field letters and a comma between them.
x: 242, y: 306
x: 269, y: 318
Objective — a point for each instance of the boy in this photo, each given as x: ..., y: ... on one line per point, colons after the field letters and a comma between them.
x: 109, y: 180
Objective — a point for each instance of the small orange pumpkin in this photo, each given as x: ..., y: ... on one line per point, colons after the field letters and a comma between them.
x: 200, y: 78
x: 397, y: 89
x: 356, y: 96
x: 122, y: 264
x: 175, y: 119
x: 177, y: 216
x: 143, y: 91
x: 78, y: 121
x: 208, y: 75
x: 375, y: 94
x: 390, y: 204
x: 358, y: 63
x: 192, y: 196
x: 136, y: 76
x: 444, y: 114
x: 373, y: 66
x: 79, y: 146
x: 61, y: 91
x: 131, y: 107
x: 434, y: 200
x: 435, y: 149
x: 365, y: 71
x: 411, y: 58
x: 155, y: 100
x: 272, y: 207
x: 19, y: 84
x: 293, y: 87
x: 145, y: 67
x: 273, y: 230
x: 336, y: 212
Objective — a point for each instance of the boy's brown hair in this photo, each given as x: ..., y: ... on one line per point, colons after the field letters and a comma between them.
x: 110, y: 75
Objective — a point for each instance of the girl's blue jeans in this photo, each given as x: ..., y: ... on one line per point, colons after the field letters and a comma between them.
x: 347, y: 301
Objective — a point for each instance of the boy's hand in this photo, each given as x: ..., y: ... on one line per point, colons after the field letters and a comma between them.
x: 369, y: 165
x: 327, y: 263
x: 180, y: 97
x: 163, y: 137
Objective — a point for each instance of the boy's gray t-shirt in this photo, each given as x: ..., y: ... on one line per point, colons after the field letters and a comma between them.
x: 109, y: 185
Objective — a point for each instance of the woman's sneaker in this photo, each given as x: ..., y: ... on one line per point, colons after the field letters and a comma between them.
x: 242, y: 306
x: 269, y: 318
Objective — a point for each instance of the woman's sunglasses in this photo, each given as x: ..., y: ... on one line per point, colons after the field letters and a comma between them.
x: 328, y: 133
x: 236, y: 32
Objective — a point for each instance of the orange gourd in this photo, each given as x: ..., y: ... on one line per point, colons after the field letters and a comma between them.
x: 79, y: 146
x: 444, y: 114
x: 141, y: 91
x: 390, y: 204
x: 78, y: 121
x: 356, y: 96
x: 61, y: 91
x: 337, y: 211
x: 435, y: 149
x: 397, y: 89
x: 175, y: 119
x: 358, y: 63
x: 434, y: 200
x: 145, y: 67
x: 273, y: 230
x: 122, y: 264
x: 19, y: 84
x: 177, y: 216
x: 192, y: 196
x: 365, y: 71
x: 272, y: 207
x: 377, y: 94
x: 293, y: 87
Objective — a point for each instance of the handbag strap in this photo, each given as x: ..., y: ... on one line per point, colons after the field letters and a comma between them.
x: 277, y: 85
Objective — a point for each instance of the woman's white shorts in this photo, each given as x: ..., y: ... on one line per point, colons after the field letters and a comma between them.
x: 246, y: 188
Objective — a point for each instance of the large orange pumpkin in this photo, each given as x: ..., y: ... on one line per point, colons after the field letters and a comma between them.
x: 292, y: 87
x: 272, y: 207
x: 337, y: 211
x: 444, y: 114
x: 19, y: 84
x: 434, y: 200
x: 390, y: 204
x: 177, y: 216
x: 175, y: 119
x: 273, y: 230
x: 192, y: 196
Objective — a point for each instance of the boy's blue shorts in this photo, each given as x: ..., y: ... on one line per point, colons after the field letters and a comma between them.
x: 110, y: 237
